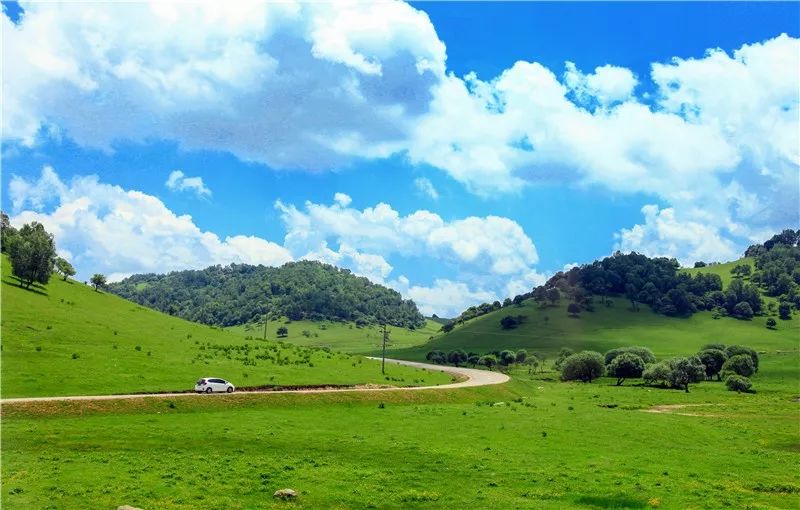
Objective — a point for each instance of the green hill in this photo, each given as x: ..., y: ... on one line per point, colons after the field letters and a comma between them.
x: 549, y: 329
x: 241, y: 294
x: 66, y: 339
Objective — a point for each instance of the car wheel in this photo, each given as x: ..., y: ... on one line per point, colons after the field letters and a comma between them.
x: 208, y: 390
x: 230, y: 389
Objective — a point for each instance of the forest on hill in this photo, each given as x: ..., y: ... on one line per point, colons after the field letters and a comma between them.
x: 660, y: 284
x: 241, y: 293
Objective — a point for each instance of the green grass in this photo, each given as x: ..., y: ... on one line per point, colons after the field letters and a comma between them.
x: 341, y: 336
x: 549, y: 329
x: 532, y: 443
x: 723, y: 270
x: 66, y: 339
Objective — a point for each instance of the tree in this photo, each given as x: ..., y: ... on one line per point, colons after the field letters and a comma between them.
x: 507, y: 358
x: 507, y: 302
x: 738, y: 384
x: 553, y: 295
x: 488, y: 361
x: 32, y: 253
x: 733, y: 350
x: 473, y: 360
x: 684, y: 371
x: 448, y: 327
x: 437, y: 357
x: 699, y: 263
x: 282, y: 332
x: 785, y: 311
x: 521, y: 356
x: 532, y: 363
x: 720, y: 347
x: 712, y: 360
x: 583, y: 366
x: 657, y: 373
x: 643, y: 352
x: 573, y: 309
x: 625, y: 366
x: 98, y: 280
x: 7, y: 232
x: 457, y: 357
x: 771, y: 323
x: 563, y: 354
x: 65, y: 268
x: 742, y: 310
x: 740, y: 364
x: 511, y: 321
x: 542, y: 358
x: 632, y: 294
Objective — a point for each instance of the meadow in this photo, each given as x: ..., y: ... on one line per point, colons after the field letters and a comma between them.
x: 67, y: 339
x: 531, y: 443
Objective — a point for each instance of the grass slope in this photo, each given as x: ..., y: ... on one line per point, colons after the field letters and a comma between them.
x: 532, y: 443
x: 549, y: 329
x: 67, y: 339
x: 341, y: 336
x: 723, y: 270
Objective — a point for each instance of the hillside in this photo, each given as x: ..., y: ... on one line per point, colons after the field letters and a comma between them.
x: 242, y: 294
x: 66, y: 339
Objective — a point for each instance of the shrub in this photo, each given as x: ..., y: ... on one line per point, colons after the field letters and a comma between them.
x: 657, y: 373
x: 738, y: 383
x: 743, y: 310
x: 437, y: 357
x: 488, y: 361
x: 511, y: 321
x: 643, y: 352
x: 282, y: 332
x: 771, y: 323
x: 740, y: 364
x: 625, y: 366
x: 507, y: 358
x: 563, y: 354
x: 785, y: 311
x: 457, y: 357
x: 522, y: 355
x: 583, y: 366
x: 719, y: 347
x: 712, y: 360
x: 684, y: 371
x: 733, y: 350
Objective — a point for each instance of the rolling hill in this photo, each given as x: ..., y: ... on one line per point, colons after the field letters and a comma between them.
x: 66, y: 339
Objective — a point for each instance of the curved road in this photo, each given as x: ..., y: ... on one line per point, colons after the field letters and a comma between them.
x: 474, y: 378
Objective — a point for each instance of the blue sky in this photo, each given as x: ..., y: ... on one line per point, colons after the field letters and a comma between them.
x: 496, y: 161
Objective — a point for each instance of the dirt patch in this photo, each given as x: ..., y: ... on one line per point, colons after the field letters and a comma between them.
x: 673, y: 408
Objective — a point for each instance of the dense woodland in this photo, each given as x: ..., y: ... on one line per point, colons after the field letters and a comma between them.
x: 241, y: 293
x: 658, y: 284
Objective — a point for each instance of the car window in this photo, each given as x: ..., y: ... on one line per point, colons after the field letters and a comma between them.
x: 217, y: 381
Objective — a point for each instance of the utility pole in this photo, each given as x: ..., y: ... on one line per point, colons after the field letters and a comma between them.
x: 383, y: 359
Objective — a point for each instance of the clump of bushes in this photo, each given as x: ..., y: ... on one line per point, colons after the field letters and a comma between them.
x: 738, y: 383
x: 584, y: 366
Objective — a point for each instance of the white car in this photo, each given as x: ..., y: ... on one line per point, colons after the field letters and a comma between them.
x: 213, y: 384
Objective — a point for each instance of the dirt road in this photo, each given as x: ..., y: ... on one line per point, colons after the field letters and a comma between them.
x: 473, y: 378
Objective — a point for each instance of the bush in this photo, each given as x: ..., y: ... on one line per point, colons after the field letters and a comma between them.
x: 743, y: 310
x: 437, y: 357
x: 644, y: 353
x: 507, y: 358
x: 625, y: 366
x: 741, y: 364
x: 563, y: 354
x: 488, y: 361
x: 457, y: 357
x: 712, y: 359
x: 719, y: 347
x: 771, y: 323
x: 733, y: 350
x: 584, y: 366
x: 511, y: 321
x: 738, y: 383
x: 657, y: 373
x: 282, y: 332
x: 522, y: 355
x: 684, y: 371
x: 785, y: 311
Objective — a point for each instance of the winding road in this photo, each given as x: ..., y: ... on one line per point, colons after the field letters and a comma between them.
x: 473, y: 378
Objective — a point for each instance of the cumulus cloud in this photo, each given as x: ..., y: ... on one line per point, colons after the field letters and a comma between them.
x: 445, y: 298
x: 118, y: 232
x: 289, y: 84
x: 608, y: 84
x: 178, y: 181
x: 426, y: 188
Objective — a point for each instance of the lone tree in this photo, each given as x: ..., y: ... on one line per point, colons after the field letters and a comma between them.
x: 488, y: 361
x: 584, y: 366
x: 98, y: 280
x: 684, y: 371
x: 457, y: 357
x: 771, y: 323
x: 626, y: 365
x: 32, y: 253
x: 282, y: 332
x: 65, y: 268
x: 785, y: 311
x: 573, y: 309
x: 712, y: 359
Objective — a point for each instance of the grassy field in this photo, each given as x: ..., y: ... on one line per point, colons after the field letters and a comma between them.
x: 343, y: 337
x: 723, y: 270
x: 67, y: 339
x: 532, y: 443
x: 548, y: 329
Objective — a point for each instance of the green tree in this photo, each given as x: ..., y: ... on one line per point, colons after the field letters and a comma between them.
x: 282, y: 332
x: 771, y: 323
x: 488, y: 361
x: 473, y: 360
x: 32, y: 253
x: 643, y: 352
x: 573, y: 309
x: 98, y: 280
x: 437, y: 357
x: 563, y: 354
x: 740, y: 364
x: 743, y: 310
x: 507, y: 358
x: 65, y: 268
x: 684, y: 371
x: 625, y: 366
x: 733, y: 350
x: 785, y: 311
x: 7, y: 232
x: 657, y: 373
x: 738, y: 384
x: 521, y: 355
x: 583, y: 366
x: 712, y: 360
x: 457, y: 357
x: 553, y: 295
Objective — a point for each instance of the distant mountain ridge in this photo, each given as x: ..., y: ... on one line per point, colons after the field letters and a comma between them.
x: 242, y: 293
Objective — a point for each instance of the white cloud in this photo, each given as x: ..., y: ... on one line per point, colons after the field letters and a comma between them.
x: 426, y: 187
x: 664, y: 235
x: 608, y: 84
x: 342, y: 199
x: 289, y: 84
x: 178, y: 181
x: 445, y: 298
x: 110, y: 230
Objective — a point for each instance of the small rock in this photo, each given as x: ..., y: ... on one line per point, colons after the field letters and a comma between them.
x: 285, y: 494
